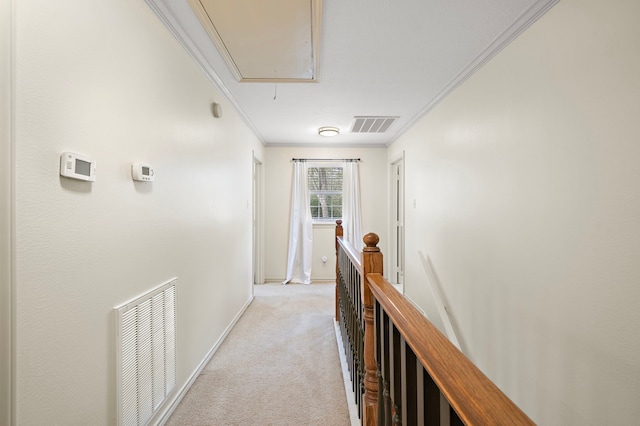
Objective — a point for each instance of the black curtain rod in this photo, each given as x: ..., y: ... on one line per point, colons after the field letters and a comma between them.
x: 325, y: 159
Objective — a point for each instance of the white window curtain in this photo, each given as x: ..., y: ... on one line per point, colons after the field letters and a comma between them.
x: 301, y: 228
x: 351, y: 217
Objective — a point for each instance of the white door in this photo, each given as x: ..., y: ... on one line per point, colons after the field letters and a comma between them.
x: 397, y: 222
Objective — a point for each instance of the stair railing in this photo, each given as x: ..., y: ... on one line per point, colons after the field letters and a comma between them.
x: 354, y: 313
x: 403, y: 370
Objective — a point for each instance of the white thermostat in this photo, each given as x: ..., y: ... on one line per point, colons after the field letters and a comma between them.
x: 77, y: 166
x: 142, y: 172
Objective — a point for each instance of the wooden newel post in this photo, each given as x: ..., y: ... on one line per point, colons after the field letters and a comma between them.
x: 371, y: 263
x: 339, y: 233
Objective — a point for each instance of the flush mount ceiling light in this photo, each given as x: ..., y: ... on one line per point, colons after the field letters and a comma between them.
x: 328, y: 131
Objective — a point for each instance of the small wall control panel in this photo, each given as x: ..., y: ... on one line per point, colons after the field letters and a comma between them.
x: 142, y: 172
x: 77, y: 166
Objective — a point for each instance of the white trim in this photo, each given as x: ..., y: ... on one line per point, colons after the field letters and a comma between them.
x: 348, y: 388
x: 393, y: 243
x: 257, y: 219
x: 161, y: 417
x: 324, y: 224
x: 524, y: 21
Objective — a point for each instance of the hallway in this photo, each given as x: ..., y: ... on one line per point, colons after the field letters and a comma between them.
x: 520, y: 197
x: 279, y: 365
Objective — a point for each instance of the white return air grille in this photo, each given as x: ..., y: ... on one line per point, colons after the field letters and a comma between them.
x: 146, y: 354
x: 372, y: 124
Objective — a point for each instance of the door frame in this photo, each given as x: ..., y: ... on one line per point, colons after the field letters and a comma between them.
x: 257, y: 221
x: 397, y: 220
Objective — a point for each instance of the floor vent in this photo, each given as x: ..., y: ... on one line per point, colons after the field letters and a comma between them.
x: 146, y: 354
x: 372, y: 124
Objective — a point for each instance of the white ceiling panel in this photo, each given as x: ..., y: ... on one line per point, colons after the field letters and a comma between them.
x: 264, y: 41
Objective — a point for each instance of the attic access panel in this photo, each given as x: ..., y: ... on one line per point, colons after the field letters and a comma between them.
x: 274, y: 41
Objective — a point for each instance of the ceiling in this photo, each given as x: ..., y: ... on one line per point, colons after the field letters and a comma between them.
x: 274, y: 41
x: 393, y: 59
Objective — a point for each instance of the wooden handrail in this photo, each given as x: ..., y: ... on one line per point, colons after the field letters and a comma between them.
x: 403, y: 370
x: 475, y: 398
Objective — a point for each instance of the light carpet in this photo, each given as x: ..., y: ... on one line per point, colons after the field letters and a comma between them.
x: 278, y: 366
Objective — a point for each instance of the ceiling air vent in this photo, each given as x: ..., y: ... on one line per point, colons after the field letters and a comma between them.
x: 373, y: 124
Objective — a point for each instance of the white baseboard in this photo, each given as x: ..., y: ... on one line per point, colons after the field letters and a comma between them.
x: 162, y: 416
x: 313, y: 280
x: 353, y: 409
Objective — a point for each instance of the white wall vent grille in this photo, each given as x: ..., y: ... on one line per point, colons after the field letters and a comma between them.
x: 372, y: 124
x: 146, y: 354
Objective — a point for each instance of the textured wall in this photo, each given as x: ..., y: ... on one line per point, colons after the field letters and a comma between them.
x: 525, y: 183
x: 107, y: 79
x: 278, y: 170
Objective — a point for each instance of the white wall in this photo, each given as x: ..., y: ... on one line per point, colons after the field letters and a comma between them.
x: 5, y: 212
x: 278, y: 179
x: 108, y: 80
x: 525, y: 181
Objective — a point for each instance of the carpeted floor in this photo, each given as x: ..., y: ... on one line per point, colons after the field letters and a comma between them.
x: 278, y: 366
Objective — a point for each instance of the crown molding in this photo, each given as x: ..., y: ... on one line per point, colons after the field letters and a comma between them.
x: 176, y: 26
x: 524, y: 21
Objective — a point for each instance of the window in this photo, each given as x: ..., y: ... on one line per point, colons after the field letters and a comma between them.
x: 325, y: 191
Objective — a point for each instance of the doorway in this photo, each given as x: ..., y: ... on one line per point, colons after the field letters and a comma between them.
x: 257, y: 217
x: 397, y: 223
